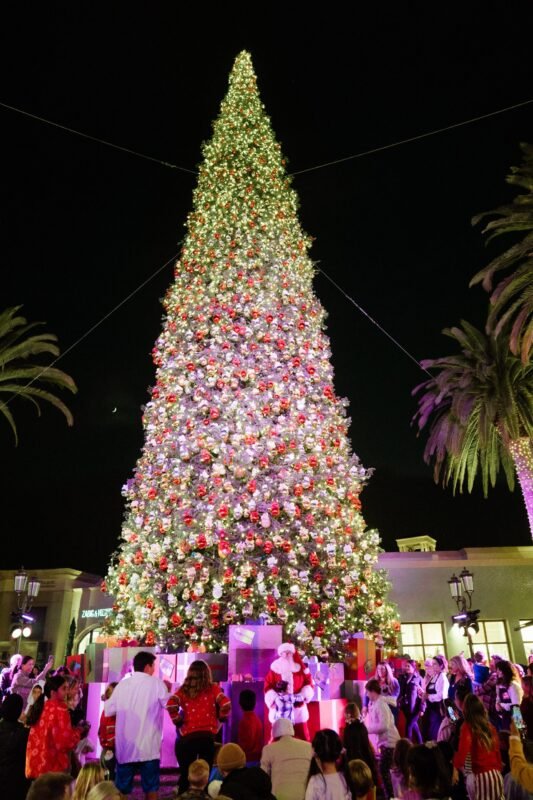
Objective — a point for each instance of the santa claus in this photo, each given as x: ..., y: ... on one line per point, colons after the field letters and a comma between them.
x: 288, y: 668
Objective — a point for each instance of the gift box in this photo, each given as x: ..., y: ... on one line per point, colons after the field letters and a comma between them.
x: 218, y: 662
x: 326, y: 714
x: 327, y: 678
x: 360, y: 658
x: 76, y: 665
x: 252, y: 649
x: 118, y: 661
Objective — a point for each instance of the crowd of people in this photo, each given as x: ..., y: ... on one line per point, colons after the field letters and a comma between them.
x: 461, y: 729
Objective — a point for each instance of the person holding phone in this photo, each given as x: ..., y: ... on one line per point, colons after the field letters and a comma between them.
x: 521, y: 770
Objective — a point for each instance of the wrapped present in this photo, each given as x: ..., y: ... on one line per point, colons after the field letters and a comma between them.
x: 252, y: 648
x: 328, y: 679
x: 360, y: 658
x: 218, y: 662
x: 118, y: 661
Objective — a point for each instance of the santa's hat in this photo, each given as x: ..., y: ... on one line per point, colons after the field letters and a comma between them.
x: 286, y: 647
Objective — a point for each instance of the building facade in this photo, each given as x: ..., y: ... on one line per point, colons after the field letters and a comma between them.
x: 503, y: 593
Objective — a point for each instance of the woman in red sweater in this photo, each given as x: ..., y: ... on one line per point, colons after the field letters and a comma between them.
x: 52, y: 737
x: 479, y: 740
x: 197, y: 709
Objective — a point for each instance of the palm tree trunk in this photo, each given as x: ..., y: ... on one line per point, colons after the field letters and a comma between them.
x: 522, y: 454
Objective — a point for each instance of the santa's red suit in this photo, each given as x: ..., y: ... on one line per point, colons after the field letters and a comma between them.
x: 290, y: 667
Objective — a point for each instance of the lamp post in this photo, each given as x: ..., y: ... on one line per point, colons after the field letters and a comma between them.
x: 462, y: 589
x: 26, y: 590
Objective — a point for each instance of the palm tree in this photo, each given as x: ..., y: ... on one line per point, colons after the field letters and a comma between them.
x: 18, y: 378
x: 480, y: 409
x: 512, y: 298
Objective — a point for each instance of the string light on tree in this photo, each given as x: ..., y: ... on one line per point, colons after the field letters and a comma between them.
x: 245, y: 501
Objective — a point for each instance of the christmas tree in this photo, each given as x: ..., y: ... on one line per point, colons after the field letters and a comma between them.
x: 245, y: 502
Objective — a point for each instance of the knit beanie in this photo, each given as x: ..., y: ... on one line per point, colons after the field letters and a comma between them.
x: 231, y: 756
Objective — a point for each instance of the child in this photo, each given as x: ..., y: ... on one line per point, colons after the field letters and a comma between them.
x: 198, y: 776
x: 400, y: 771
x: 362, y: 783
x: 284, y: 702
x: 250, y: 735
x: 106, y: 737
x: 325, y: 782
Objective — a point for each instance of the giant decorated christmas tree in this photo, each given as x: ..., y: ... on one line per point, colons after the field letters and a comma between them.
x: 244, y: 504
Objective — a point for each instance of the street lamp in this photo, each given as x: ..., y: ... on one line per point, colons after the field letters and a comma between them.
x: 26, y: 590
x: 462, y: 589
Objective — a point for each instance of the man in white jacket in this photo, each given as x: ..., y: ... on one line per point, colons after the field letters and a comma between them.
x: 287, y: 761
x: 380, y: 722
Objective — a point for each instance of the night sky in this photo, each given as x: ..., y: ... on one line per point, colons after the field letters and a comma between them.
x: 83, y: 225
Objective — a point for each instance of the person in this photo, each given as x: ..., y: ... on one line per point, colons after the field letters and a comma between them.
x: 380, y: 722
x: 487, y: 691
x: 462, y: 675
x: 283, y: 703
x: 521, y: 769
x: 23, y: 680
x: 52, y: 737
x: 526, y: 706
x: 428, y: 774
x: 6, y: 676
x: 51, y: 786
x: 106, y: 736
x: 286, y: 760
x: 410, y: 701
x: 479, y: 740
x: 197, y: 709
x: 508, y: 693
x: 289, y: 666
x: 363, y: 786
x: 357, y: 746
x: 242, y: 782
x: 325, y: 782
x: 400, y: 771
x: 138, y: 704
x: 13, y: 741
x: 390, y: 687
x: 250, y: 736
x: 480, y: 671
x: 434, y: 693
x: 106, y: 790
x: 198, y: 776
x: 89, y: 775
x: 34, y: 695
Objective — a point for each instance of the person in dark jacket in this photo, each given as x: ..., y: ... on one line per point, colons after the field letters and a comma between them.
x: 410, y: 702
x: 242, y: 782
x: 13, y: 740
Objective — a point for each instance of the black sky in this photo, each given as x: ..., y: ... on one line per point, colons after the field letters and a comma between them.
x: 84, y: 225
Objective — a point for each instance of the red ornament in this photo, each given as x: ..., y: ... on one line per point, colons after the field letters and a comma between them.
x: 149, y: 603
x: 314, y: 610
x: 172, y: 581
x: 175, y: 620
x: 152, y: 493
x: 254, y: 515
x: 138, y: 558
x: 150, y: 639
x: 201, y: 541
x: 268, y: 547
x: 163, y: 563
x: 275, y: 509
x: 313, y: 560
x: 286, y: 547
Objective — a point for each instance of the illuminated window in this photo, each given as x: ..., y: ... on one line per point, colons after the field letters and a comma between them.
x: 422, y: 640
x: 491, y: 639
x: 527, y: 635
